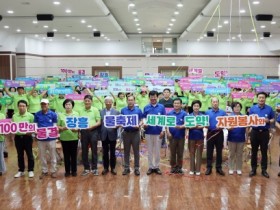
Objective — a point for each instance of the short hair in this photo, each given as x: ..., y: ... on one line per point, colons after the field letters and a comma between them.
x: 67, y: 101
x: 153, y: 93
x: 18, y: 88
x: 109, y: 98
x: 215, y: 98
x: 130, y: 97
x: 166, y: 89
x: 234, y: 104
x: 196, y: 102
x: 120, y: 93
x: 22, y: 102
x: 262, y: 93
x: 88, y: 97
x: 143, y: 91
x: 177, y: 99
x: 10, y: 88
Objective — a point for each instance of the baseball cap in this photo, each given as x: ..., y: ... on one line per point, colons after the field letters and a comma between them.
x: 44, y: 100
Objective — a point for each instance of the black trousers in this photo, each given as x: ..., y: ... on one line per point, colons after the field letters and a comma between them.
x: 259, y: 139
x: 70, y: 155
x: 89, y: 138
x: 24, y: 143
x: 215, y: 139
x: 109, y: 147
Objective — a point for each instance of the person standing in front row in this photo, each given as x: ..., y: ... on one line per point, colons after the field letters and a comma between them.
x: 44, y: 119
x: 23, y: 141
x: 109, y: 138
x: 215, y: 138
x: 154, y: 134
x: 176, y: 136
x: 89, y: 136
x: 131, y: 137
x: 2, y: 145
x: 260, y: 134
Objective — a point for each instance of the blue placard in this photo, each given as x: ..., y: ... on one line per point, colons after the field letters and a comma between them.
x: 217, y: 90
x: 111, y: 121
x: 56, y: 91
x: 77, y: 122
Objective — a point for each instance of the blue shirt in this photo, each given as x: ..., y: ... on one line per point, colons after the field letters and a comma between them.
x: 237, y: 134
x: 45, y: 120
x: 158, y: 109
x: 266, y: 111
x: 196, y: 134
x: 278, y: 119
x: 212, y: 117
x: 180, y: 116
x: 134, y: 110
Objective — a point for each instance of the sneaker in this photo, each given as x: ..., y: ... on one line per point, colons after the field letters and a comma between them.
x: 85, y: 172
x: 126, y: 171
x: 30, y: 174
x: 173, y: 170
x: 43, y: 175
x: 239, y: 172
x: 137, y: 172
x: 53, y: 175
x: 67, y: 174
x: 230, y: 172
x: 95, y: 172
x: 19, y: 174
x: 150, y: 171
x: 74, y: 173
x: 197, y: 173
x: 191, y: 173
x: 180, y: 171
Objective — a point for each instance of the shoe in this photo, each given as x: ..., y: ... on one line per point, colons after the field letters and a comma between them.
x: 19, y: 174
x: 126, y: 171
x: 158, y: 171
x: 230, y: 172
x: 220, y: 171
x: 191, y: 173
x: 43, y: 175
x: 180, y: 171
x: 208, y: 171
x: 113, y: 171
x: 30, y: 174
x: 67, y: 174
x: 150, y: 171
x: 279, y: 174
x: 74, y: 173
x: 105, y: 171
x: 173, y: 171
x: 5, y: 154
x: 137, y: 172
x: 85, y: 172
x: 265, y: 174
x: 197, y: 173
x: 53, y: 175
x: 252, y: 173
x: 239, y: 172
x: 95, y: 172
x: 1, y: 173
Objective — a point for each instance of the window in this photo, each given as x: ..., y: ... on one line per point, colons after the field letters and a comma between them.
x: 159, y: 45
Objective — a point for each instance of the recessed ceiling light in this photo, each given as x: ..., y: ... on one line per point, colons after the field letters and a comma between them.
x: 89, y: 26
x: 176, y: 13
x: 139, y: 29
x: 226, y: 22
x: 35, y: 22
x: 136, y: 19
x: 171, y: 24
x: 68, y: 11
x: 213, y: 29
x: 204, y: 35
x: 261, y: 38
x: 253, y: 30
x: 44, y: 38
x: 180, y: 4
x: 242, y: 11
x: 50, y: 40
x: 263, y: 26
x: 108, y: 39
x: 83, y: 21
x: 220, y: 26
x: 273, y: 22
x: 6, y: 27
x: 255, y: 40
x: 239, y: 35
x: 131, y: 5
x: 228, y: 40
x: 173, y: 19
x: 256, y: 2
x: 134, y: 13
x: 73, y: 37
x: 10, y: 12
x: 46, y: 26
x: 140, y: 32
x: 78, y: 40
x: 137, y: 24
x: 233, y: 37
x: 36, y: 35
x: 167, y: 32
x: 102, y: 35
x: 201, y: 37
x: 56, y: 3
x: 54, y: 30
x: 168, y: 29
x: 67, y: 35
x: 18, y: 30
x: 105, y: 37
x: 198, y: 40
x: 94, y: 29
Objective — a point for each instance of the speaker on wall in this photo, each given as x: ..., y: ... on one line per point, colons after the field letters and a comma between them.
x: 210, y: 33
x: 50, y: 34
x: 96, y: 34
x: 262, y: 17
x: 45, y: 17
x: 1, y: 17
x: 266, y: 34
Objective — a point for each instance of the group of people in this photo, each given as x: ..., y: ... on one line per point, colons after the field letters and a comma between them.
x: 144, y: 104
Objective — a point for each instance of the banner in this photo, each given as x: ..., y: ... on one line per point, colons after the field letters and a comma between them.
x: 161, y: 88
x: 161, y: 120
x: 123, y: 89
x: 75, y: 97
x: 81, y: 72
x: 49, y: 132
x: 217, y: 90
x: 44, y: 86
x: 6, y: 100
x: 77, y: 122
x: 102, y: 93
x: 220, y: 73
x: 17, y: 83
x: 195, y: 71
x: 167, y: 82
x: 268, y: 88
x: 63, y: 84
x: 103, y: 74
x: 111, y: 121
x: 239, y: 85
x: 193, y: 121
x: 240, y: 121
x: 56, y: 91
x: 243, y: 95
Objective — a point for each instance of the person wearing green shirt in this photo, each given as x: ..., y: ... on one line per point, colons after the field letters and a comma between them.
x: 10, y: 106
x: 23, y: 140
x: 58, y: 103
x: 192, y: 97
x: 34, y: 101
x: 120, y: 101
x: 17, y: 97
x: 223, y: 100
x: 203, y: 98
x: 69, y: 138
x: 142, y: 99
x: 3, y: 105
x: 89, y: 136
x: 2, y: 147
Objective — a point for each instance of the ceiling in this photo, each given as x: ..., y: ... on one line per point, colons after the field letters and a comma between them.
x: 115, y: 19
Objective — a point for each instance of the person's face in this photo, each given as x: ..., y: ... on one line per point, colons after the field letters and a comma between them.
x: 108, y: 104
x: 143, y: 94
x: 61, y: 96
x: 215, y: 103
x: 121, y: 96
x: 68, y: 106
x: 87, y: 103
x: 153, y: 99
x: 177, y: 105
x: 166, y: 94
x: 1, y: 95
x: 22, y: 108
x: 13, y: 90
x: 261, y: 99
x: 160, y: 96
x: 196, y: 107
x: 130, y: 101
x: 35, y: 93
x: 44, y: 106
x: 237, y: 109
x: 20, y: 91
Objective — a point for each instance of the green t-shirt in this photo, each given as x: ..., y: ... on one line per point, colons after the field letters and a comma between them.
x: 34, y: 103
x: 3, y: 109
x: 271, y: 102
x: 67, y: 135
x: 222, y: 102
x: 120, y: 103
x: 26, y: 117
x: 2, y: 137
x: 17, y: 98
x: 79, y: 105
x: 58, y: 104
x: 204, y: 102
x: 96, y: 103
x: 93, y: 114
x: 178, y: 89
x: 142, y: 101
x: 191, y: 99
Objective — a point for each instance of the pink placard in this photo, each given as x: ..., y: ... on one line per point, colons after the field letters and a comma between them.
x: 75, y: 97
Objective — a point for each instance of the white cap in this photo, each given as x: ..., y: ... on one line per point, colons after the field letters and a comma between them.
x: 44, y: 100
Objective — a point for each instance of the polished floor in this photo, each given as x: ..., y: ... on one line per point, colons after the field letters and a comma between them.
x: 143, y: 192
